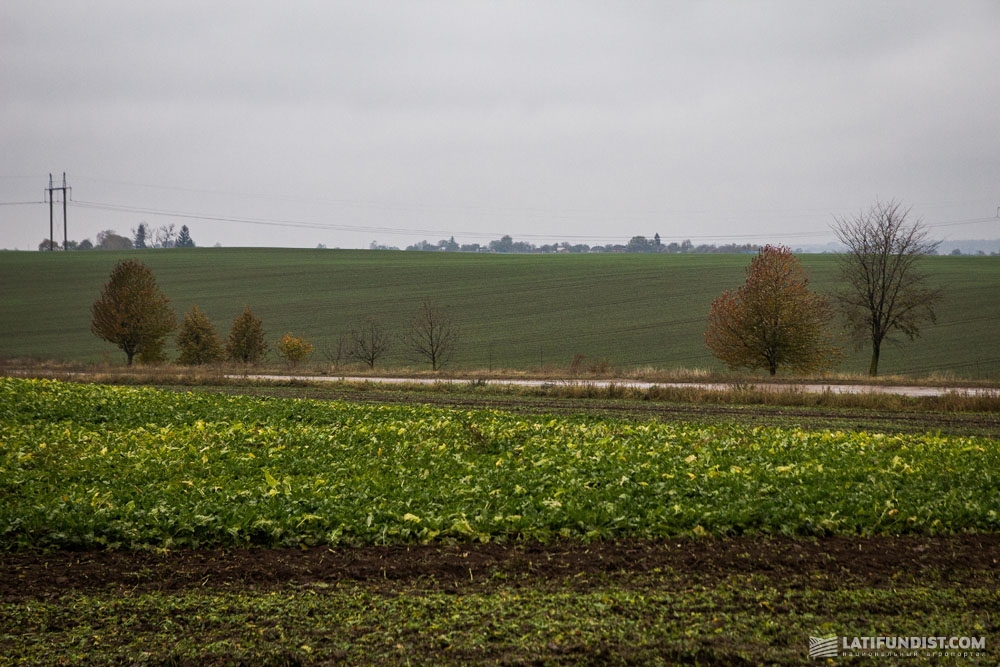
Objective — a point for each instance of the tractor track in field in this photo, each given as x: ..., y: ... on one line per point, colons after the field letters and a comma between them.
x: 666, y: 412
x: 847, y: 418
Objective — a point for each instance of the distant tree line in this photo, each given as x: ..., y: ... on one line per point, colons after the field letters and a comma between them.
x: 774, y: 320
x: 143, y: 237
x: 637, y: 244
x: 134, y: 314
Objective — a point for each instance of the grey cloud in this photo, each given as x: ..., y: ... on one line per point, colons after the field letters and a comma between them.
x: 666, y: 114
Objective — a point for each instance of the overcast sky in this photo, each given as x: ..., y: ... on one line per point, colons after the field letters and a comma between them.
x: 299, y: 123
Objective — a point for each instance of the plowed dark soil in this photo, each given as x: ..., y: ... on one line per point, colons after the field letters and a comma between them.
x: 819, y: 563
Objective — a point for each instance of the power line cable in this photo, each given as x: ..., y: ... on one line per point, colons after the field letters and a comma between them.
x: 273, y: 222
x: 416, y: 232
x: 953, y: 223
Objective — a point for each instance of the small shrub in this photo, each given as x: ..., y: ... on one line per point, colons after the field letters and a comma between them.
x: 246, y: 341
x: 294, y: 349
x: 153, y: 353
x: 198, y: 341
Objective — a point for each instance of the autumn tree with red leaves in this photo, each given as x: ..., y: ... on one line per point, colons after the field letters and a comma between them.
x: 773, y: 319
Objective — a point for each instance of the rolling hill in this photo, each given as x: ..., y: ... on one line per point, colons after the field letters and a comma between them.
x: 513, y: 311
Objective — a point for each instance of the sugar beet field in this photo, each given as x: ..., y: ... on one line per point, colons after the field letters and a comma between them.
x: 165, y: 527
x: 521, y: 312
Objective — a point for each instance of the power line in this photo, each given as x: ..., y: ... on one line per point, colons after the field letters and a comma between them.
x: 273, y: 222
x: 278, y: 222
x: 414, y: 232
x: 971, y: 221
x: 619, y: 219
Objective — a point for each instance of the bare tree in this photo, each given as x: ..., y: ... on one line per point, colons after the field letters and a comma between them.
x: 432, y: 337
x: 335, y: 353
x: 164, y: 237
x: 886, y: 292
x: 368, y: 342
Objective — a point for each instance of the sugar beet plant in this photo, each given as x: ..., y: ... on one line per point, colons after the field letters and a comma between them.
x: 97, y: 466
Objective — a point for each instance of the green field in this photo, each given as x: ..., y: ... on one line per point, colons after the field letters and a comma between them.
x: 143, y: 526
x: 89, y: 466
x: 522, y: 312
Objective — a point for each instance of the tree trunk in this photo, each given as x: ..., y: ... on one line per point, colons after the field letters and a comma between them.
x: 873, y: 369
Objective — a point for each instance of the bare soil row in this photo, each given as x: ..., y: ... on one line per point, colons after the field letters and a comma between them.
x: 825, y: 563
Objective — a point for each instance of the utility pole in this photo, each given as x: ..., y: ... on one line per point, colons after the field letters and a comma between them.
x: 65, y: 230
x: 65, y: 196
x: 51, y: 233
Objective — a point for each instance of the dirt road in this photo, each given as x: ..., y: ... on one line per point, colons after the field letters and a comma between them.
x: 814, y: 387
